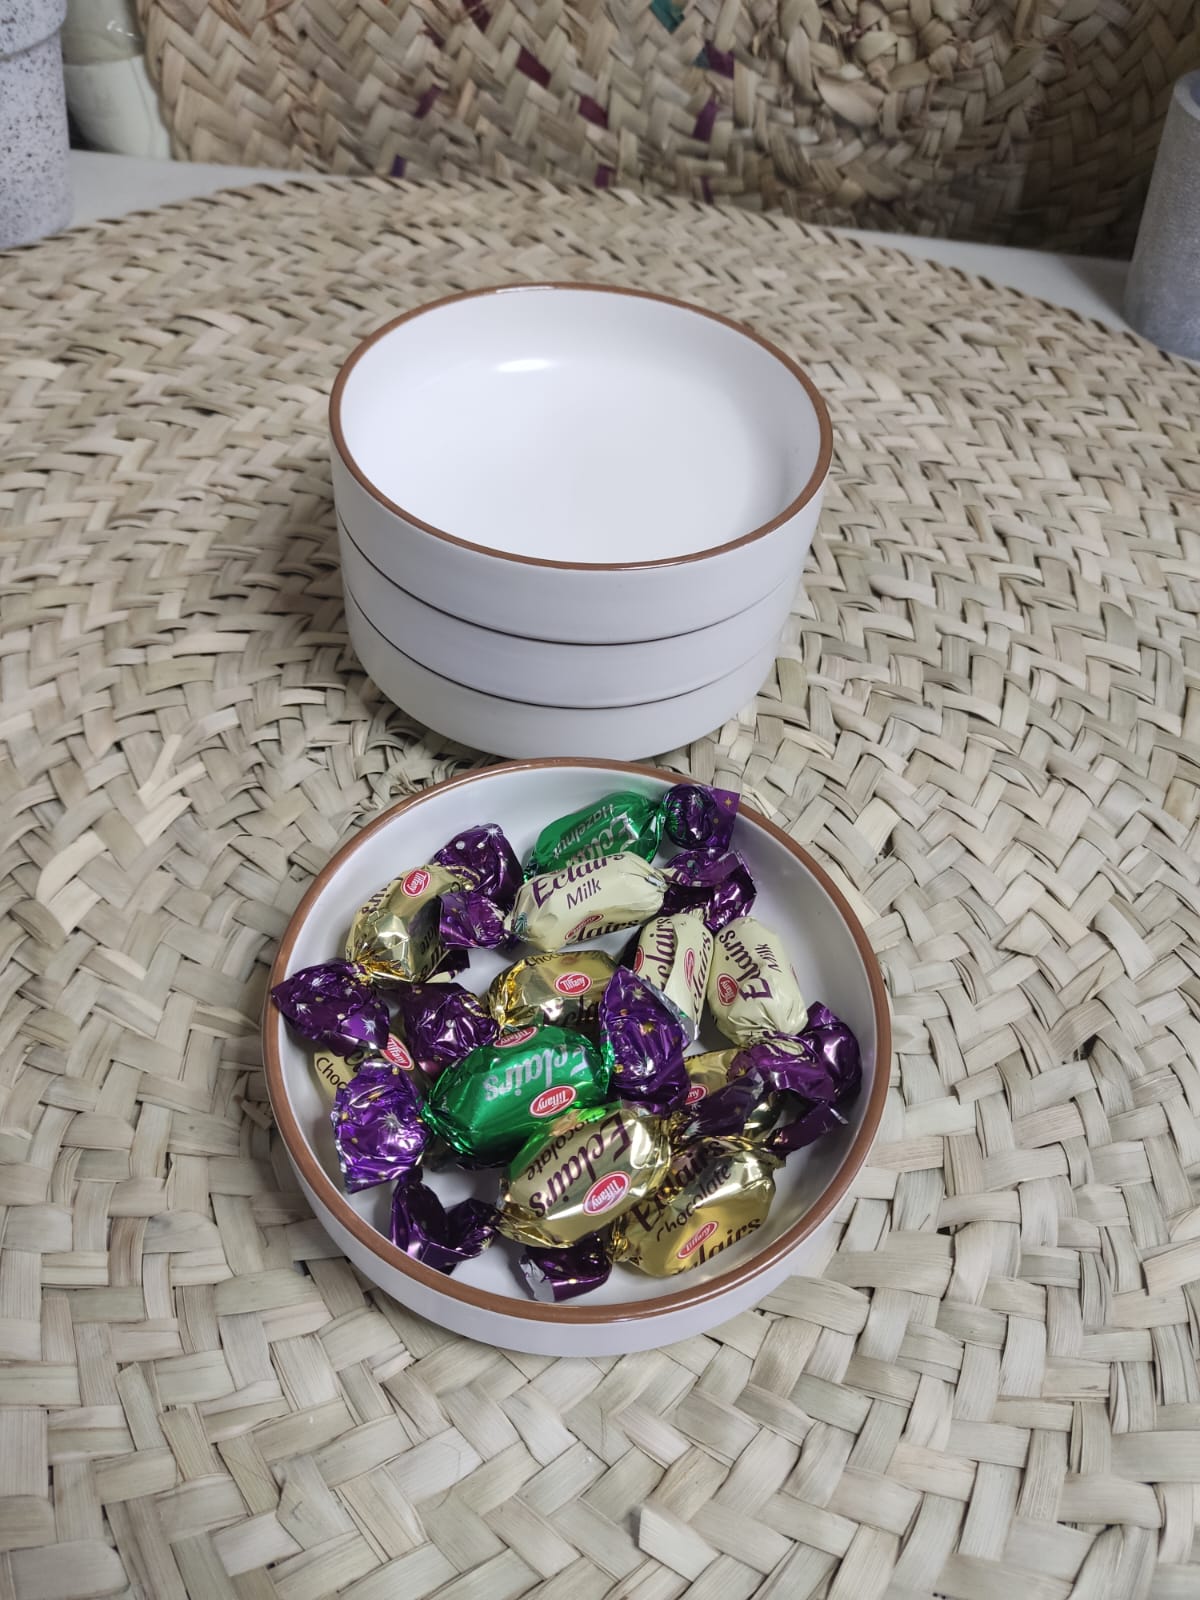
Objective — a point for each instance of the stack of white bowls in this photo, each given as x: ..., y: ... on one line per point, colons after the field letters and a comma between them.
x: 572, y: 519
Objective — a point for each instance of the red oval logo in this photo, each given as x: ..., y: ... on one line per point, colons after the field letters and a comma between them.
x: 516, y: 1036
x: 695, y: 1094
x: 689, y: 966
x: 397, y: 1054
x: 605, y: 1192
x: 697, y: 1239
x: 639, y: 960
x: 573, y: 983
x: 415, y: 882
x: 727, y: 989
x: 552, y: 1101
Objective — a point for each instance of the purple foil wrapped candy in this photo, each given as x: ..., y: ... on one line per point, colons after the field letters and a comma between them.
x: 697, y: 816
x: 822, y: 1064
x: 442, y: 1022
x: 554, y: 1275
x: 377, y: 1126
x: 642, y: 1041
x: 486, y: 851
x: 425, y: 1230
x: 716, y: 882
x: 722, y: 1114
x: 470, y: 921
x: 334, y: 1006
x: 804, y: 1129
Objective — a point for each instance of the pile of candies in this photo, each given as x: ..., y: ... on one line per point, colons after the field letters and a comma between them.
x: 571, y: 1075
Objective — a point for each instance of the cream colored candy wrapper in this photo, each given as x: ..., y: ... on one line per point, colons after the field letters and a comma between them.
x: 752, y: 989
x: 586, y: 899
x: 675, y: 954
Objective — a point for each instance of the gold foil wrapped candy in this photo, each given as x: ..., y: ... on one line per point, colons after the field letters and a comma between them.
x: 394, y: 936
x: 716, y: 1192
x: 573, y: 1182
x: 562, y: 988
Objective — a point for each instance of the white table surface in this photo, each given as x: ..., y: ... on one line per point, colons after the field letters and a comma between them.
x: 110, y: 186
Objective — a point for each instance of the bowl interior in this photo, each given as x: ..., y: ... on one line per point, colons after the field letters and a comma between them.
x: 522, y: 799
x: 483, y: 417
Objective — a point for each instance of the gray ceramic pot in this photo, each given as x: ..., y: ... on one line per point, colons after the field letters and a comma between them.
x: 1162, y: 294
x: 35, y: 195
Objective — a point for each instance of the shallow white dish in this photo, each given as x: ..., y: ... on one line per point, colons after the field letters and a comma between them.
x: 507, y: 727
x: 486, y: 1299
x: 586, y: 675
x: 604, y: 464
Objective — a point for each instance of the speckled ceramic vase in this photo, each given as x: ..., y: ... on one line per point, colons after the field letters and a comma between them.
x: 1162, y: 293
x: 35, y: 195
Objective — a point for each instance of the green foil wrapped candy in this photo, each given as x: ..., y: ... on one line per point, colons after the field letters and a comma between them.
x: 508, y: 1092
x: 622, y: 821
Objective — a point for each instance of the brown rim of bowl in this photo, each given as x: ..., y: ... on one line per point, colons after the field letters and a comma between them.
x: 535, y: 1311
x: 817, y: 478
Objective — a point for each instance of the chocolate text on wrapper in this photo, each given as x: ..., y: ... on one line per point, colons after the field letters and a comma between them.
x: 716, y: 1192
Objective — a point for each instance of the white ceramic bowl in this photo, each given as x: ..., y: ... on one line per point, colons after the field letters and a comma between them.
x: 508, y: 727
x: 504, y: 663
x: 578, y: 464
x: 485, y: 1299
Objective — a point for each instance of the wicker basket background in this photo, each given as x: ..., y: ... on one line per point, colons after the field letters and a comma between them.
x: 1017, y: 121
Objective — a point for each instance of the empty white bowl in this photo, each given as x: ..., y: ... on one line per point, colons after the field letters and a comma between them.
x: 485, y: 1299
x: 578, y: 464
x: 537, y: 670
x: 507, y: 727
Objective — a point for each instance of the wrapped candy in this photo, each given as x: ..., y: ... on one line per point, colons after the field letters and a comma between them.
x: 568, y: 1184
x: 715, y: 1192
x: 468, y: 920
x: 394, y: 936
x: 562, y: 988
x: 334, y: 1072
x: 442, y: 1239
x: 697, y: 817
x: 821, y: 1064
x: 377, y: 1126
x: 692, y: 814
x: 585, y: 899
x: 752, y: 989
x: 816, y: 1073
x: 810, y: 1125
x: 333, y: 1005
x: 727, y: 1097
x: 674, y: 954
x: 442, y: 1023
x: 716, y: 883
x: 642, y: 1040
x: 624, y: 821
x: 556, y: 1275
x: 502, y: 1094
x: 487, y: 855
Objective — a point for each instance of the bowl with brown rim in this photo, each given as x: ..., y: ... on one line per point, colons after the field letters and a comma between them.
x: 576, y: 463
x: 486, y: 1299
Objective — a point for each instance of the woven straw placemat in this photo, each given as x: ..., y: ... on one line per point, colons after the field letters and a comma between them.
x: 986, y: 725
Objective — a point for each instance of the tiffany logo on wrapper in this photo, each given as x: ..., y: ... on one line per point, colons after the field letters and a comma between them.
x: 573, y: 983
x: 697, y: 1239
x: 551, y: 1101
x: 605, y: 1193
